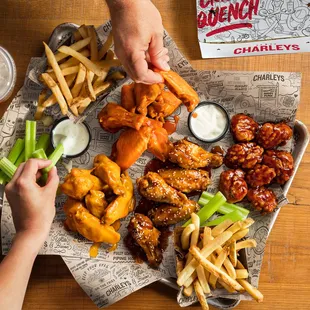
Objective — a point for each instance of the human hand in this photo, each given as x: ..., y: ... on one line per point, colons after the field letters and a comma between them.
x: 138, y: 39
x: 33, y: 207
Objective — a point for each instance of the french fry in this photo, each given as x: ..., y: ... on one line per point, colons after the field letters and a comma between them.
x: 203, y: 279
x: 93, y: 43
x: 218, y: 263
x: 240, y: 265
x: 85, y: 61
x: 185, y: 236
x: 194, y: 250
x: 110, y: 55
x: 56, y: 91
x: 79, y: 81
x: 105, y: 47
x: 235, y: 227
x: 188, y: 291
x: 83, y: 31
x: 195, y: 233
x: 206, y: 236
x: 230, y: 268
x: 206, y: 251
x: 200, y: 295
x: 249, y: 243
x: 77, y: 36
x: 62, y: 82
x: 227, y: 287
x: 179, y: 266
x: 217, y: 230
x: 75, y: 46
x: 254, y: 292
x: 70, y: 70
x: 242, y: 274
x: 89, y: 86
x: 117, y: 75
x: 233, y: 253
x: 192, y: 278
x: 40, y: 109
x: 238, y: 235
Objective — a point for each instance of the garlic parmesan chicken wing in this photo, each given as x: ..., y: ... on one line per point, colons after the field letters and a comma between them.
x: 109, y: 172
x: 113, y: 117
x: 189, y: 155
x: 80, y: 220
x: 167, y: 214
x: 186, y: 180
x: 180, y: 88
x: 147, y: 237
x: 145, y: 95
x: 79, y: 182
x: 121, y: 205
x: 153, y: 187
x: 128, y: 98
x: 164, y: 105
x: 96, y: 203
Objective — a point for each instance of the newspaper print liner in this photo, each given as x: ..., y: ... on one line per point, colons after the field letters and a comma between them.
x: 265, y: 95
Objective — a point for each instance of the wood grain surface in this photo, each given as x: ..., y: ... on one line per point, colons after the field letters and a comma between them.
x: 285, y: 274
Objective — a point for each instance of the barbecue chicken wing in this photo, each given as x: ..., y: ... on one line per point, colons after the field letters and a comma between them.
x: 128, y: 98
x: 113, y: 117
x: 189, y: 155
x: 122, y: 205
x: 186, y: 180
x: 147, y: 237
x: 166, y: 103
x: 262, y: 199
x: 130, y: 146
x: 80, y: 220
x: 96, y: 203
x: 243, y: 128
x: 271, y: 135
x: 260, y: 175
x: 181, y: 89
x: 166, y: 214
x: 109, y: 172
x: 153, y: 187
x: 145, y: 95
x: 79, y: 182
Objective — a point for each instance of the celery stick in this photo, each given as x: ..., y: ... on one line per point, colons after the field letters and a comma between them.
x: 40, y: 154
x: 43, y: 142
x: 54, y: 157
x: 235, y: 216
x: 30, y: 138
x: 225, y: 208
x: 3, y: 178
x: 16, y: 150
x: 7, y: 167
x: 20, y: 159
x: 210, y: 208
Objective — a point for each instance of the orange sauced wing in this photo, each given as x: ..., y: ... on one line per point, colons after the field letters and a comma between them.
x: 131, y: 145
x: 128, y: 101
x: 145, y: 95
x: 180, y: 88
x: 113, y: 117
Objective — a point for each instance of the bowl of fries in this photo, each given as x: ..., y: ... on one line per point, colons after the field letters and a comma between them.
x: 78, y: 74
x: 208, y: 259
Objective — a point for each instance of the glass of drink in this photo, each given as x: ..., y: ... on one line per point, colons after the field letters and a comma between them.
x: 7, y: 74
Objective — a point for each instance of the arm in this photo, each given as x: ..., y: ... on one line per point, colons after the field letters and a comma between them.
x: 33, y: 211
x: 138, y: 38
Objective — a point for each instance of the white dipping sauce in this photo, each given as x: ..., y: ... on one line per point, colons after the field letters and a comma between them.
x: 74, y: 137
x: 208, y: 122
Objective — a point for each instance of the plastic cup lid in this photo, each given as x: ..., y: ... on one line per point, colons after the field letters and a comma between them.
x: 7, y: 74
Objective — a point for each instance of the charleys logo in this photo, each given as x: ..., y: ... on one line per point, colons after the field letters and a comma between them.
x: 237, y: 15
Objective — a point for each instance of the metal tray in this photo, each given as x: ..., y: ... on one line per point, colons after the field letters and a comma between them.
x: 63, y: 33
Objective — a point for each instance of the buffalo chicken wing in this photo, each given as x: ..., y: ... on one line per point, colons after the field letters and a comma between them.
x: 128, y: 98
x: 96, y: 203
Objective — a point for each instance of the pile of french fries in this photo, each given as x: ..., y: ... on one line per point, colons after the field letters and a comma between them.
x: 210, y: 258
x: 78, y: 74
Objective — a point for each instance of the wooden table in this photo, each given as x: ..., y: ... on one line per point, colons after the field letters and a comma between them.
x: 286, y: 268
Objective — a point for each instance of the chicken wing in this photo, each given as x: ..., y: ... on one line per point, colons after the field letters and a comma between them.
x: 189, y: 155
x: 128, y: 98
x: 166, y: 214
x: 145, y: 95
x: 147, y: 237
x: 79, y: 182
x: 181, y: 89
x: 96, y: 203
x: 122, y: 205
x: 153, y: 187
x: 113, y: 117
x: 130, y: 146
x: 164, y: 105
x: 186, y: 180
x: 88, y: 225
x: 109, y: 172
